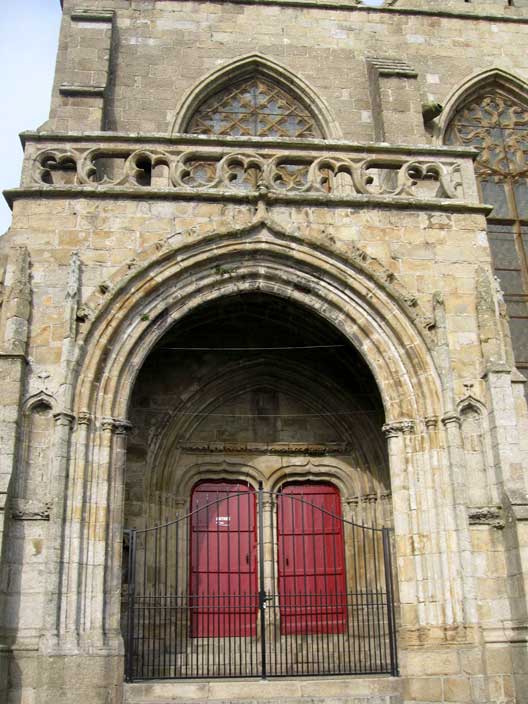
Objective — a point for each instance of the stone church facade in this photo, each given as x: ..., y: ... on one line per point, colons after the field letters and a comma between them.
x: 263, y: 348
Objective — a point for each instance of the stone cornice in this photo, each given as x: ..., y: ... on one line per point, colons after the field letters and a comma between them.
x: 323, y: 145
x: 348, y: 201
x: 390, y: 9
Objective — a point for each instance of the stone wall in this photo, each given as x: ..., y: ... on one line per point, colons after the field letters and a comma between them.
x: 115, y: 242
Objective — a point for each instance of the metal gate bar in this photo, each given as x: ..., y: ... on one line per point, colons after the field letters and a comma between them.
x: 227, y: 591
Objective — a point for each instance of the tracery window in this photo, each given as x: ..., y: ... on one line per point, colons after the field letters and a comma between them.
x: 255, y: 108
x: 497, y: 125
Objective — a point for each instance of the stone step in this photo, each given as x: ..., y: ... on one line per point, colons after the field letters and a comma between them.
x: 365, y: 699
x: 302, y: 690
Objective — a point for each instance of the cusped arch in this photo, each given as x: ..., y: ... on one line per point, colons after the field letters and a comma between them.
x: 256, y: 64
x: 42, y: 399
x: 260, y: 257
x: 218, y: 470
x: 474, y: 86
x: 326, y: 470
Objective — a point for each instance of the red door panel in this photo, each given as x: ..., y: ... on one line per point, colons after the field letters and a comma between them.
x: 312, y: 580
x: 223, y: 575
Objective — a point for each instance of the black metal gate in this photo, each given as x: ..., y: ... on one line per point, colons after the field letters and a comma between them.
x: 259, y: 584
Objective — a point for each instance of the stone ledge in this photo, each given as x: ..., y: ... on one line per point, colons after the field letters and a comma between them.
x: 381, y: 689
x: 352, y: 6
x: 349, y: 201
x: 275, y: 145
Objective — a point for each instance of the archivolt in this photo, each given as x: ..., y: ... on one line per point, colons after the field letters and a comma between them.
x: 264, y: 258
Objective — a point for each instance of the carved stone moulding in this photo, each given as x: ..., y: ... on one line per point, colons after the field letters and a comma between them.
x: 399, y: 427
x: 251, y: 172
x: 24, y: 510
x: 311, y: 449
x: 486, y: 516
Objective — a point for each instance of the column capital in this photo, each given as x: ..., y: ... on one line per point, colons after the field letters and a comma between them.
x: 451, y: 417
x: 431, y: 422
x: 117, y: 426
x: 64, y: 418
x: 84, y: 418
x: 398, y: 427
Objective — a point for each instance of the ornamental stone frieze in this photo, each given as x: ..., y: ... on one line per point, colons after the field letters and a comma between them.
x: 247, y: 169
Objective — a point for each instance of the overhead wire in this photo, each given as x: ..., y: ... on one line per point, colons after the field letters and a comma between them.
x: 250, y: 349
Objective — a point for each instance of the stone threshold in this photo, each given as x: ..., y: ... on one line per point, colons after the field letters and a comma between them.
x: 380, y: 689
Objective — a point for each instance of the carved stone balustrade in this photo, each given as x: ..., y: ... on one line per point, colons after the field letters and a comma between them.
x: 186, y: 166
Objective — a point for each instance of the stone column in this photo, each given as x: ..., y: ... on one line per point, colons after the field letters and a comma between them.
x: 54, y: 550
x: 458, y: 533
x: 408, y: 562
x: 116, y: 485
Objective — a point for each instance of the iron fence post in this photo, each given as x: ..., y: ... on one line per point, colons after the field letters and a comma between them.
x: 129, y: 665
x: 390, y: 601
x: 262, y: 590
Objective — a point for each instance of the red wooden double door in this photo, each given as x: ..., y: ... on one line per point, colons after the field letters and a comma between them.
x: 309, y: 550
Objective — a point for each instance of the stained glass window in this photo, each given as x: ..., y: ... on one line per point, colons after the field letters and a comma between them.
x: 497, y: 125
x: 255, y: 108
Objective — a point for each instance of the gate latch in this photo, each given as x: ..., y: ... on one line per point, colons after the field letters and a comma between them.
x: 263, y: 598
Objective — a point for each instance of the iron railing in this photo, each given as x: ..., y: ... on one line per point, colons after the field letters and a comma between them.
x: 259, y: 584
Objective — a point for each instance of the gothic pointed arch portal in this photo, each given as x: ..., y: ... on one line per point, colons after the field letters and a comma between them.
x: 173, y: 284
x: 244, y: 387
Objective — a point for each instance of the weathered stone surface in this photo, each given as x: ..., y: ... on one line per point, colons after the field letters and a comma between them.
x: 139, y: 253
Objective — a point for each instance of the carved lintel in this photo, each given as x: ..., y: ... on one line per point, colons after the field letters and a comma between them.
x: 486, y: 516
x: 398, y: 427
x: 312, y: 449
x: 451, y: 417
